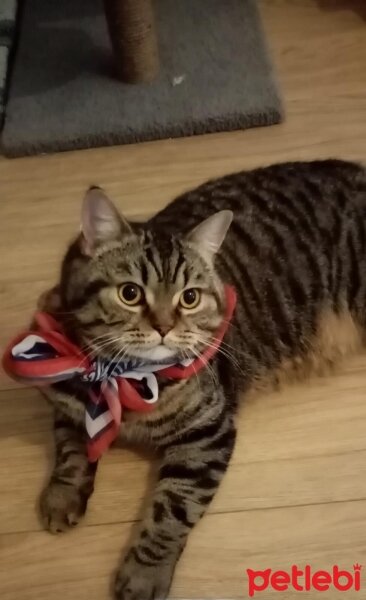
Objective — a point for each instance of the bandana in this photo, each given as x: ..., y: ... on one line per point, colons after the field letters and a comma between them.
x: 46, y: 356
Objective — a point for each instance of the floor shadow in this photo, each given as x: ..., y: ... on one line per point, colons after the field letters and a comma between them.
x: 54, y: 10
x: 356, y: 6
x: 61, y: 42
x: 56, y: 70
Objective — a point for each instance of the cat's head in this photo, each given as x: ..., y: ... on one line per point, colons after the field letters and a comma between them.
x: 138, y: 292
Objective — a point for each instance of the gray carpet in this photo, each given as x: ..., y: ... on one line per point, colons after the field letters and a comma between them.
x: 215, y: 75
x: 7, y: 27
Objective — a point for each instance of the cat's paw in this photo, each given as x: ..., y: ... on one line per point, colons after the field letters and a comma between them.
x: 136, y: 581
x: 61, y: 507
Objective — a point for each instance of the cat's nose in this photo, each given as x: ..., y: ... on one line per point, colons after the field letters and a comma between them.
x: 162, y: 328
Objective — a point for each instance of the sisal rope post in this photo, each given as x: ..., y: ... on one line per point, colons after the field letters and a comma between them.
x: 134, y: 40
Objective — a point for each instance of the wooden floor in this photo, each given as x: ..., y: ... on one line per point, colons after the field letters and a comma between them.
x: 296, y: 489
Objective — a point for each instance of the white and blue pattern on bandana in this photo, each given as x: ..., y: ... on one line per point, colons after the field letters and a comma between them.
x: 34, y: 348
x: 8, y: 11
x: 101, y: 377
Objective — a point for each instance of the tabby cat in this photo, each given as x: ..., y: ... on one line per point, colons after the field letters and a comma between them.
x: 291, y: 239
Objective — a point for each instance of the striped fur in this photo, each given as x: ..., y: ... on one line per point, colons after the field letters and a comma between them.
x: 65, y: 498
x: 296, y: 254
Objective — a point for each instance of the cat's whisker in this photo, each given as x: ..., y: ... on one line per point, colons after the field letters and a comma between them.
x: 195, y: 371
x: 118, y: 357
x: 231, y: 348
x: 102, y: 336
x: 208, y: 366
x: 94, y: 348
x: 232, y: 325
x: 89, y: 343
x: 219, y: 348
x: 224, y: 352
x: 90, y: 355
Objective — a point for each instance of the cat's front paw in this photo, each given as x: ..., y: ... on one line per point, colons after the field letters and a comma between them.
x: 61, y: 506
x: 137, y: 581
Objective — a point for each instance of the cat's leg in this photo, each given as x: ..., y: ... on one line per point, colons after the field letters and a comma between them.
x: 189, y: 477
x: 63, y: 502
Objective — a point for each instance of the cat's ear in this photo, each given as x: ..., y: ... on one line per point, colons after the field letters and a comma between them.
x: 210, y: 234
x: 100, y: 221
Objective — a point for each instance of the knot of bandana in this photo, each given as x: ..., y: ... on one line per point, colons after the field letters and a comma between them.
x: 46, y: 356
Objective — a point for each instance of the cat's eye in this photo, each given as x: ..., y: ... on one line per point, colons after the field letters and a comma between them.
x: 131, y: 294
x: 190, y: 298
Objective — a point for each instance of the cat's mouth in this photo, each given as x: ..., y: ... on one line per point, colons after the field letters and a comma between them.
x: 159, y: 352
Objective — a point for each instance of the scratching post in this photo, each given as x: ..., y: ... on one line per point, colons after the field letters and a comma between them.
x: 133, y: 35
x: 201, y: 48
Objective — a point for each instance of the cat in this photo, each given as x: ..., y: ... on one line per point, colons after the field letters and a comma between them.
x: 291, y: 240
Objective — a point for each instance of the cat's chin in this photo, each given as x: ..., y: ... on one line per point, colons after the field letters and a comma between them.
x: 160, y: 352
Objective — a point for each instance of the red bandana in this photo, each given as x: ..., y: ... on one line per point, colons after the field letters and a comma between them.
x: 45, y: 356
